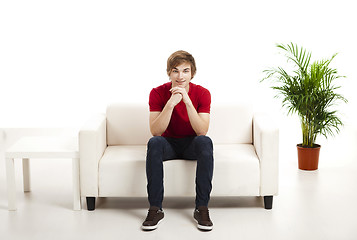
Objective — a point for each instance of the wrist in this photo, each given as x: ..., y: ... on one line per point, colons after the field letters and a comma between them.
x: 170, y: 105
x: 189, y: 103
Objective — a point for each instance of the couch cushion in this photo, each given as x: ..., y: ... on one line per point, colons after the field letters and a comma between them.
x: 128, y: 124
x: 231, y: 123
x: 122, y: 172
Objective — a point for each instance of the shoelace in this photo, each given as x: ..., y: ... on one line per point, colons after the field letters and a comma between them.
x: 151, y: 215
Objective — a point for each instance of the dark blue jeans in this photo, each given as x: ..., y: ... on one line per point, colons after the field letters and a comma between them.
x: 160, y: 149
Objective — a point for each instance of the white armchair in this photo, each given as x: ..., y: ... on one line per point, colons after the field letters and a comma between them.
x: 112, y: 151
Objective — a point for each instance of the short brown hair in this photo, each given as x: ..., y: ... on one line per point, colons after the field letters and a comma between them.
x: 178, y: 58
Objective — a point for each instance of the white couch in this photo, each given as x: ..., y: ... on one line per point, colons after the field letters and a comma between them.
x: 112, y: 149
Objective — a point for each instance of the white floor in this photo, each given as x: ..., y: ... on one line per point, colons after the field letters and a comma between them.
x: 311, y: 205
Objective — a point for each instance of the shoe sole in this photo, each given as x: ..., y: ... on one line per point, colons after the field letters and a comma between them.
x: 148, y: 228
x: 204, y: 228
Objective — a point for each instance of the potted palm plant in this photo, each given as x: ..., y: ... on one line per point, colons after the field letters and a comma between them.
x: 309, y: 92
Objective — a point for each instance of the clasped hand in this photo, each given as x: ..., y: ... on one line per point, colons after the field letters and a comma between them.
x: 179, y: 94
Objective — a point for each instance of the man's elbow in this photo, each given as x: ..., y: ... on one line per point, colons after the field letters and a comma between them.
x: 155, y: 133
x: 203, y: 133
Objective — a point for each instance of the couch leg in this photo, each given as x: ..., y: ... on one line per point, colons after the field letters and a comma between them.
x: 90, y: 203
x: 268, y: 202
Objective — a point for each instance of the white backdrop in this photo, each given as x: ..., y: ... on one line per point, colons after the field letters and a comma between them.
x: 62, y: 61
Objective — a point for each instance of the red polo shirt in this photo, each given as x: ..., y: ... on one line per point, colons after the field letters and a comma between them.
x: 180, y: 126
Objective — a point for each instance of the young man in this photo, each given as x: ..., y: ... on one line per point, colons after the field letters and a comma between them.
x: 179, y: 120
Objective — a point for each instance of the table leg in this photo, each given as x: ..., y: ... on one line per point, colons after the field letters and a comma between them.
x: 76, y: 186
x: 26, y: 174
x: 11, y: 184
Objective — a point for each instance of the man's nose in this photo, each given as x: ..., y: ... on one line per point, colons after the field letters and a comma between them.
x: 180, y: 75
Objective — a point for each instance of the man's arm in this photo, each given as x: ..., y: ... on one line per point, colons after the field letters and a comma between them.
x: 159, y: 121
x: 199, y: 121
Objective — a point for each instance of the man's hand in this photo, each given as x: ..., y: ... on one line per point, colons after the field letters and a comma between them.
x: 181, y: 91
x: 175, y: 99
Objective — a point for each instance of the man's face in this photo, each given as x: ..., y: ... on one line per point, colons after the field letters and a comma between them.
x: 180, y: 76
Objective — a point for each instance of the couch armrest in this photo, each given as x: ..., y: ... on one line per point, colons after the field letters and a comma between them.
x: 266, y: 143
x: 92, y: 144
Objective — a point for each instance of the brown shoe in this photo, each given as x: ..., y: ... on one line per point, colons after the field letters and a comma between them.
x: 201, y: 215
x: 154, y: 217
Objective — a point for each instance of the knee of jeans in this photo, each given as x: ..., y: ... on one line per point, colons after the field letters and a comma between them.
x: 156, y: 141
x: 203, y: 142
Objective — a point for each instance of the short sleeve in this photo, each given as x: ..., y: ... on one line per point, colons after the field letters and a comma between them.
x: 155, y: 101
x: 204, y: 105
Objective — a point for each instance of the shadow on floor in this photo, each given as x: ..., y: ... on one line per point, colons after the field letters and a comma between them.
x: 178, y: 202
x: 137, y: 207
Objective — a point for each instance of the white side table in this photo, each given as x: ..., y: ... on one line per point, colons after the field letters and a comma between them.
x: 41, y: 147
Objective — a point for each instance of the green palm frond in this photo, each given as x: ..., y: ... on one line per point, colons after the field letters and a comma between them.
x: 308, y: 92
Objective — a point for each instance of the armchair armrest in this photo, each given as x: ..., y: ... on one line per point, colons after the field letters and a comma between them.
x: 92, y: 144
x: 266, y: 143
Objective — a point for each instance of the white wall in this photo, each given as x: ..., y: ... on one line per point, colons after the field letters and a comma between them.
x: 62, y: 61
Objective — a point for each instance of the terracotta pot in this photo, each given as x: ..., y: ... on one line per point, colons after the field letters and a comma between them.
x: 308, y: 157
